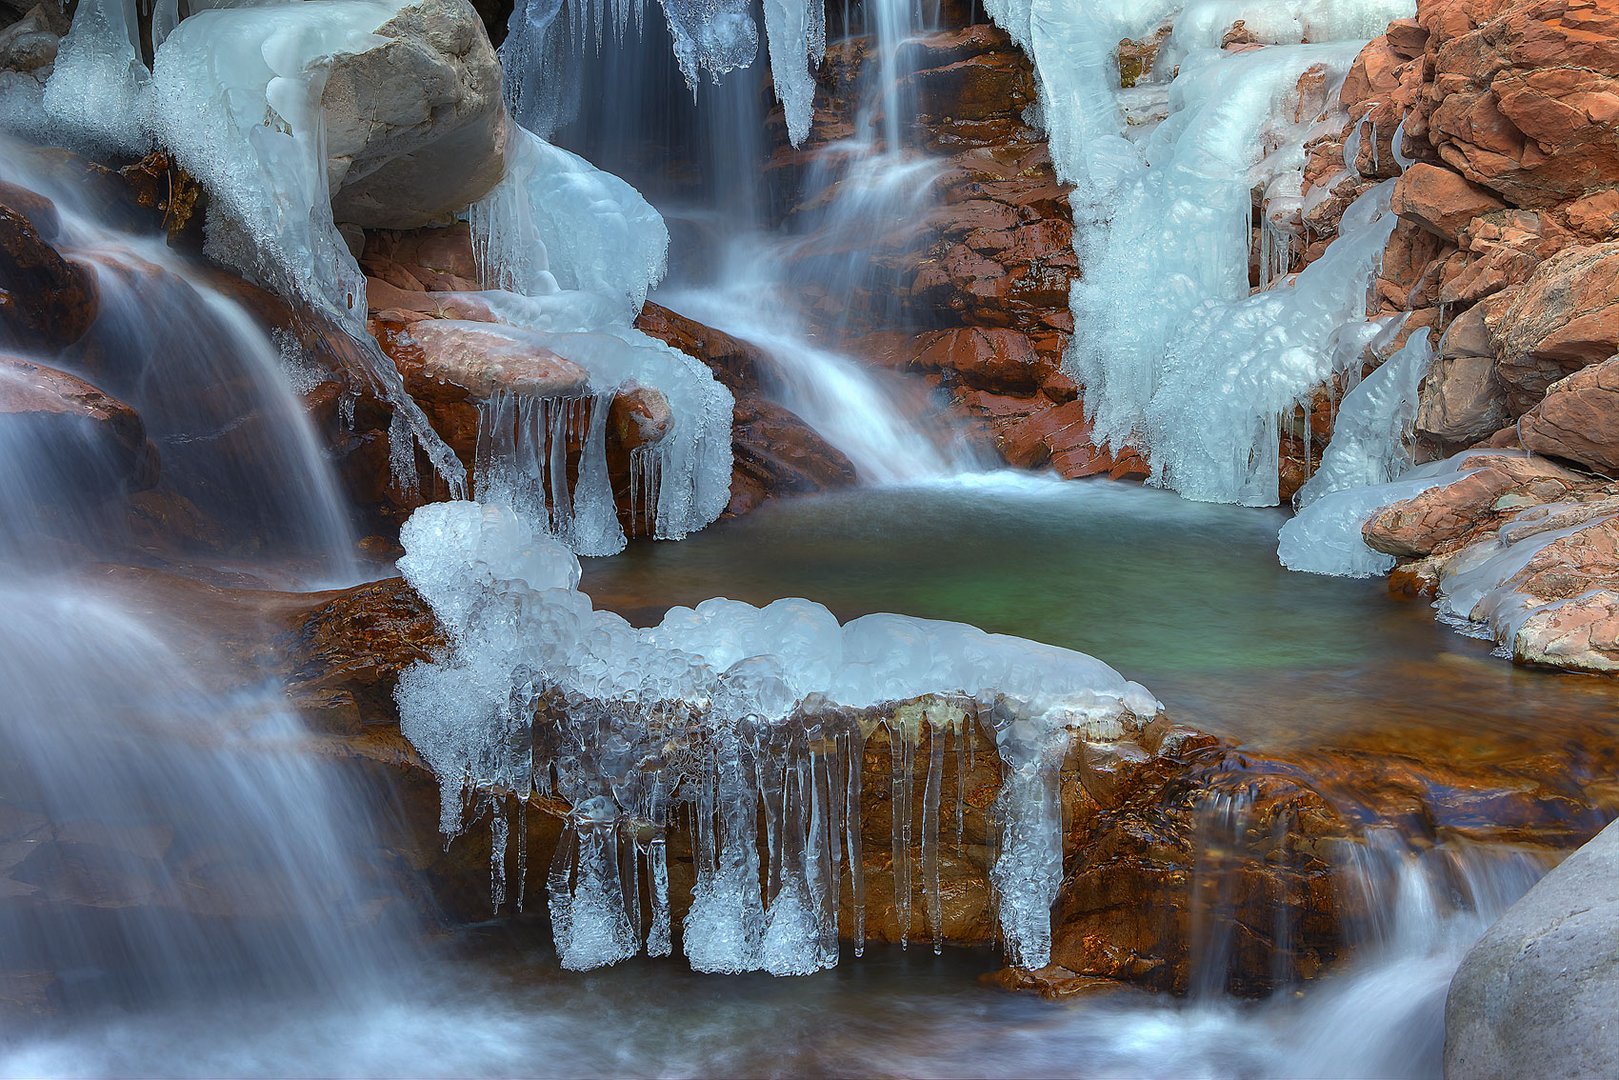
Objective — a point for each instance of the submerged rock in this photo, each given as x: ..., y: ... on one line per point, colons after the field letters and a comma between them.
x: 95, y: 442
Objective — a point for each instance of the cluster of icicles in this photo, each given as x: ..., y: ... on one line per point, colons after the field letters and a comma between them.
x: 1176, y: 351
x: 718, y: 713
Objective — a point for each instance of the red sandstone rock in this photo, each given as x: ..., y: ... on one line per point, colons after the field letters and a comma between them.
x: 1441, y: 517
x: 1578, y: 419
x: 1441, y: 201
x: 95, y: 442
x: 1523, y: 98
x: 1581, y: 634
x: 1564, y: 318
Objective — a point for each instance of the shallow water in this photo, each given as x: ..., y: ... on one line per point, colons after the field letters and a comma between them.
x: 1187, y: 598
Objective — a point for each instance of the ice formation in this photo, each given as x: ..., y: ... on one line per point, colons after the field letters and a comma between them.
x: 569, y: 253
x: 1371, y: 434
x: 1173, y: 352
x: 1325, y: 536
x: 728, y: 715
x: 234, y: 93
x: 548, y: 42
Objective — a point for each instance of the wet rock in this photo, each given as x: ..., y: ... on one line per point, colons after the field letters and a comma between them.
x: 46, y: 302
x: 776, y: 453
x: 451, y: 367
x: 95, y: 442
x: 415, y: 125
x: 1539, y: 991
x: 1578, y: 419
x: 773, y: 451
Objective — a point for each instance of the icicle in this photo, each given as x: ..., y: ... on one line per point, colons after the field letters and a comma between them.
x: 902, y: 751
x: 960, y: 732
x: 630, y: 872
x: 499, y: 829
x: 522, y: 851
x: 658, y: 938
x: 402, y: 456
x: 853, y: 840
x: 930, y: 835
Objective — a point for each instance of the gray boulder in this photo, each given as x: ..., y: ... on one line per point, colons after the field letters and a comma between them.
x: 415, y: 127
x: 1539, y: 994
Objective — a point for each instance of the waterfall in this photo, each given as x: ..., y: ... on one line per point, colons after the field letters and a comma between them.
x: 732, y: 272
x: 170, y: 841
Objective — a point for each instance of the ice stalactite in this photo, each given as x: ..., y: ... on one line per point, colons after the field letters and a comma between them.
x: 1163, y: 214
x: 726, y: 714
x: 548, y: 41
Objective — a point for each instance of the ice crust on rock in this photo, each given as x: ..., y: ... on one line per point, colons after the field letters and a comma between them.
x: 1174, y: 354
x: 235, y: 94
x: 727, y: 714
x: 568, y: 253
x: 1325, y: 537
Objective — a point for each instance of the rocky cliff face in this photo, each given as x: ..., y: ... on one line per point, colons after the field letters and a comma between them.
x: 1506, y: 114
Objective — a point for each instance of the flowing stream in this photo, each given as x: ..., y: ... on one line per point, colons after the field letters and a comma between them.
x: 193, y: 886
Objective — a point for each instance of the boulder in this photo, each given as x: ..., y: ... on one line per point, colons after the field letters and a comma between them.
x: 88, y: 440
x: 1440, y: 200
x: 415, y: 125
x: 1578, y: 419
x: 1564, y: 318
x: 1579, y: 634
x: 1539, y: 992
x: 1445, y: 516
x: 46, y: 302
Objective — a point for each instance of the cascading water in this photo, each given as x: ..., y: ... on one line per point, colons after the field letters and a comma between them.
x: 736, y: 275
x: 167, y: 839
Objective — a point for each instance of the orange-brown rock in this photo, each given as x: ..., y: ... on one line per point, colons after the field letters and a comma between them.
x: 1523, y: 96
x: 1578, y: 419
x: 46, y: 302
x: 1565, y: 318
x: 422, y: 260
x: 88, y: 441
x: 1440, y: 200
x: 450, y: 368
x: 1443, y: 517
